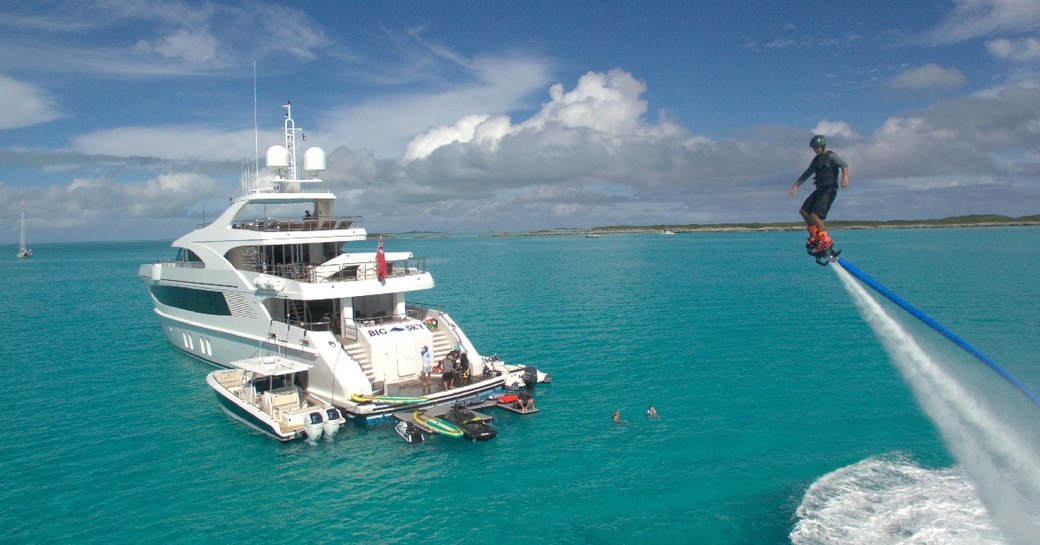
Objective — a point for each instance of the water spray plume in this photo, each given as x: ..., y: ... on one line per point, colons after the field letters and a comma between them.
x: 998, y: 451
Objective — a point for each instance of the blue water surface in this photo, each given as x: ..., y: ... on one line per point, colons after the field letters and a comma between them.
x: 764, y: 374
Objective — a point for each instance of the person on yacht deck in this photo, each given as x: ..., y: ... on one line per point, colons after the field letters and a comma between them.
x: 427, y: 368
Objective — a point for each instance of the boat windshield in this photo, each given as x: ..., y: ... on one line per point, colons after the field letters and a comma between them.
x: 187, y: 256
x: 275, y: 382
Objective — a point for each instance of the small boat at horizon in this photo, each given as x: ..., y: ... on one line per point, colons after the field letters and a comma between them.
x: 23, y: 252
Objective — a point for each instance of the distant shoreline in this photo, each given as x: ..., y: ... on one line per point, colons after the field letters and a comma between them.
x: 951, y: 222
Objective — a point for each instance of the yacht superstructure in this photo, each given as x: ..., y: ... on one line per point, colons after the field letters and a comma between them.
x: 278, y: 273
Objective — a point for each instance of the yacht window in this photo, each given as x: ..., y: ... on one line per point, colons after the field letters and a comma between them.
x: 201, y: 301
x: 187, y: 256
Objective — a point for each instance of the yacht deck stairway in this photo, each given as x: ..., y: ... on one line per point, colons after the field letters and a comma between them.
x: 442, y: 344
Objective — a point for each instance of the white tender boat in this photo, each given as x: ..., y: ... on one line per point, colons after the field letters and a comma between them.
x: 279, y: 273
x: 266, y: 394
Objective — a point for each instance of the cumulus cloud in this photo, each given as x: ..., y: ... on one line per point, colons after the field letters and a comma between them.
x: 25, y: 104
x: 970, y: 136
x: 389, y: 124
x: 592, y: 147
x: 606, y: 105
x: 833, y: 128
x: 929, y: 76
x: 591, y: 150
x: 1021, y: 50
x: 95, y: 208
x: 464, y: 130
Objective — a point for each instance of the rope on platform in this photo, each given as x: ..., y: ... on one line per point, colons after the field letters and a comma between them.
x: 866, y: 279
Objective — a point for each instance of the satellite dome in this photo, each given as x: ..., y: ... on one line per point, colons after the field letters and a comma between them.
x: 314, y: 160
x: 277, y: 157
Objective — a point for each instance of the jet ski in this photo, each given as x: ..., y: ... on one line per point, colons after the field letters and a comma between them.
x: 409, y: 432
x: 473, y: 428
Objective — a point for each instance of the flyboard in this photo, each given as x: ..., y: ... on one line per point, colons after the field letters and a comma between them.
x: 823, y: 256
x: 930, y: 322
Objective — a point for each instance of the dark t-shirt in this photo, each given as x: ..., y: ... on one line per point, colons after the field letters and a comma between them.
x: 825, y: 167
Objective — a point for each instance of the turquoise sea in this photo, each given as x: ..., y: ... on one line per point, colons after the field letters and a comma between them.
x: 785, y: 416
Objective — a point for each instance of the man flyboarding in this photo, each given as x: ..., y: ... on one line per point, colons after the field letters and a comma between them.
x: 825, y: 167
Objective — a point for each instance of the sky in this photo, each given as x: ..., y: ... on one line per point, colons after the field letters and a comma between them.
x: 135, y: 120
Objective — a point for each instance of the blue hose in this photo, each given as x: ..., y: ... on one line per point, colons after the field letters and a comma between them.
x: 938, y: 327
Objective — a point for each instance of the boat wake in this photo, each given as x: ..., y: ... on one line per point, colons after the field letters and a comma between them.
x: 994, y: 450
x: 890, y: 499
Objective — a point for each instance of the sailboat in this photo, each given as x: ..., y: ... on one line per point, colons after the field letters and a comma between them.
x: 22, y: 250
x: 590, y: 234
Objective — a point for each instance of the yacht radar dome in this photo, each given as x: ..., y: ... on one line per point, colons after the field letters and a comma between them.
x: 314, y: 161
x: 277, y: 158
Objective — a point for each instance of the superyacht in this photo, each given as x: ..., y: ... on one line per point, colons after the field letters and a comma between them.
x: 279, y: 273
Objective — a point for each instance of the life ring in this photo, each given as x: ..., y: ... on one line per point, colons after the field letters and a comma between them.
x: 431, y: 323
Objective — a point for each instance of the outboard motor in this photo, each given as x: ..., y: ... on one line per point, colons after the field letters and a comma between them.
x: 513, y: 382
x: 313, y: 426
x: 534, y: 376
x: 332, y: 421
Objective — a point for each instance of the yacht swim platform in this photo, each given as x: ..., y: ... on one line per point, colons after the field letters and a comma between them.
x: 376, y: 412
x: 440, y: 410
x: 501, y: 376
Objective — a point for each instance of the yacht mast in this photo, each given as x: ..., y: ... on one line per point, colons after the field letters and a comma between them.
x: 21, y: 240
x: 290, y: 139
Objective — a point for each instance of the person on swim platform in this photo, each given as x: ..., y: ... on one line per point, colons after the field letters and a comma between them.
x: 825, y: 167
x: 524, y: 401
x: 427, y: 368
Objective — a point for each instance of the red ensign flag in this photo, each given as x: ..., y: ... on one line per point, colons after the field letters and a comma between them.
x: 380, y: 261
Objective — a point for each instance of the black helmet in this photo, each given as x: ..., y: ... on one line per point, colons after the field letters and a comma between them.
x: 818, y: 141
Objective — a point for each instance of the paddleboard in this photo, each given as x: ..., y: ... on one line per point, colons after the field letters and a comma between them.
x: 387, y: 400
x: 437, y: 425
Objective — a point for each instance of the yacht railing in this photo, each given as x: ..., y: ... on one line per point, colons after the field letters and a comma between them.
x: 274, y: 225
x: 419, y: 311
x: 351, y: 328
x: 316, y: 274
x: 181, y: 264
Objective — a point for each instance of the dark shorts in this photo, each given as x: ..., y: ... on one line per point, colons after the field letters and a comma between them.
x: 819, y: 202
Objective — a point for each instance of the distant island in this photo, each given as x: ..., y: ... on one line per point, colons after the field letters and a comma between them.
x: 955, y: 221
x: 981, y: 220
